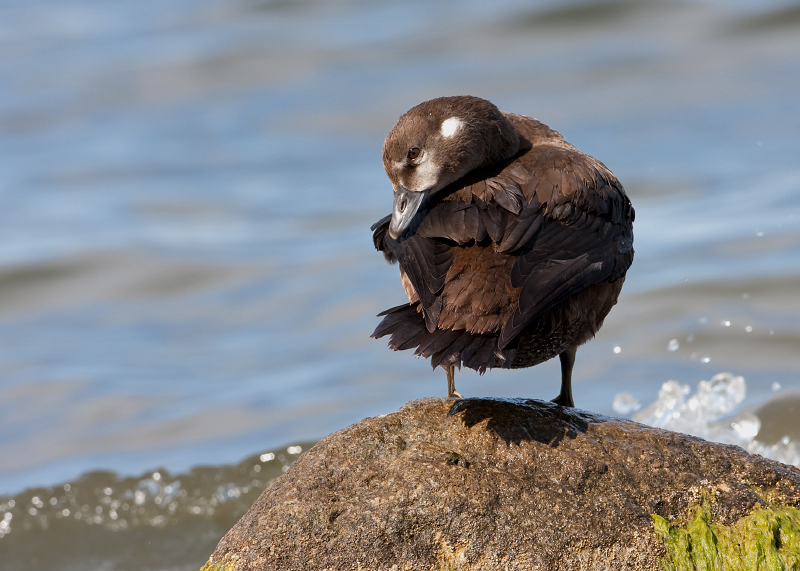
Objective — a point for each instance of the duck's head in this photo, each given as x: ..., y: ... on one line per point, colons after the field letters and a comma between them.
x: 438, y: 142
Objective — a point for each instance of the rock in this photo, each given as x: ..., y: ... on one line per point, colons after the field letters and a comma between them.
x: 514, y: 485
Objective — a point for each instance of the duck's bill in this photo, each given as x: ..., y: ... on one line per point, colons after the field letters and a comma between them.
x: 406, y: 204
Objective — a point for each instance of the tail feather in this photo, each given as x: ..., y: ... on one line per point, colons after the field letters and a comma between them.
x: 439, y: 341
x: 392, y: 317
x: 468, y: 353
x: 411, y: 342
x: 405, y: 336
x: 407, y: 330
x: 452, y: 354
x: 484, y: 358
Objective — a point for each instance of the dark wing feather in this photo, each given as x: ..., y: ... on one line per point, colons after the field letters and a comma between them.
x: 578, y: 244
x: 425, y: 262
x: 453, y: 221
x: 379, y: 232
x: 507, y: 193
x: 522, y: 229
x: 548, y: 286
x: 494, y: 219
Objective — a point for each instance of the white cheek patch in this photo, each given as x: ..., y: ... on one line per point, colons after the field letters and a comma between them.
x: 450, y: 126
x: 426, y: 176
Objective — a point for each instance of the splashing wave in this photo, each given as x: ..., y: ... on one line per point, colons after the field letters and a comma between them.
x: 710, y: 413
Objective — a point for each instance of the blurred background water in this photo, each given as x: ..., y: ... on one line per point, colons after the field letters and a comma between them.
x: 186, y: 269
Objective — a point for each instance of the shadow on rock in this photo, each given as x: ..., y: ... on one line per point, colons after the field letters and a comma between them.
x: 518, y: 420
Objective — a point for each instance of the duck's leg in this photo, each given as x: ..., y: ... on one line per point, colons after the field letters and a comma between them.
x: 451, y: 383
x: 567, y: 361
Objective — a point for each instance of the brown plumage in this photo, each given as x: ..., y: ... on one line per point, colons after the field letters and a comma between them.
x: 512, y: 244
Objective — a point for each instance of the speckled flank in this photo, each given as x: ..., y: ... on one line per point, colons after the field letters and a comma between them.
x: 767, y: 539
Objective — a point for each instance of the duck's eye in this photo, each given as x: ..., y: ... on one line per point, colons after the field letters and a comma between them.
x: 413, y: 153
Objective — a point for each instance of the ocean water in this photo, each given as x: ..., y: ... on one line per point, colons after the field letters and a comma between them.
x: 187, y: 278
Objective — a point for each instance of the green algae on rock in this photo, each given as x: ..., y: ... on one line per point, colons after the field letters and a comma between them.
x: 211, y: 566
x: 767, y: 539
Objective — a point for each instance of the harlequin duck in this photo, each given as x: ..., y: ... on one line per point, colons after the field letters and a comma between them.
x: 513, y: 245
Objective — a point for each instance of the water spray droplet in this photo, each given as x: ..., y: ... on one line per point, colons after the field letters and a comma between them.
x: 625, y: 403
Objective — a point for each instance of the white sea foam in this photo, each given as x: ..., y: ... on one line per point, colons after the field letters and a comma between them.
x: 710, y: 414
x: 626, y: 404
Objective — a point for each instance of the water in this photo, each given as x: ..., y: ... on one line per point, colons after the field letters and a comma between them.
x: 186, y: 271
x: 713, y: 413
x: 156, y: 520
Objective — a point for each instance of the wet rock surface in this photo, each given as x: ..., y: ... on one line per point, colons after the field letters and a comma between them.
x: 496, y: 484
